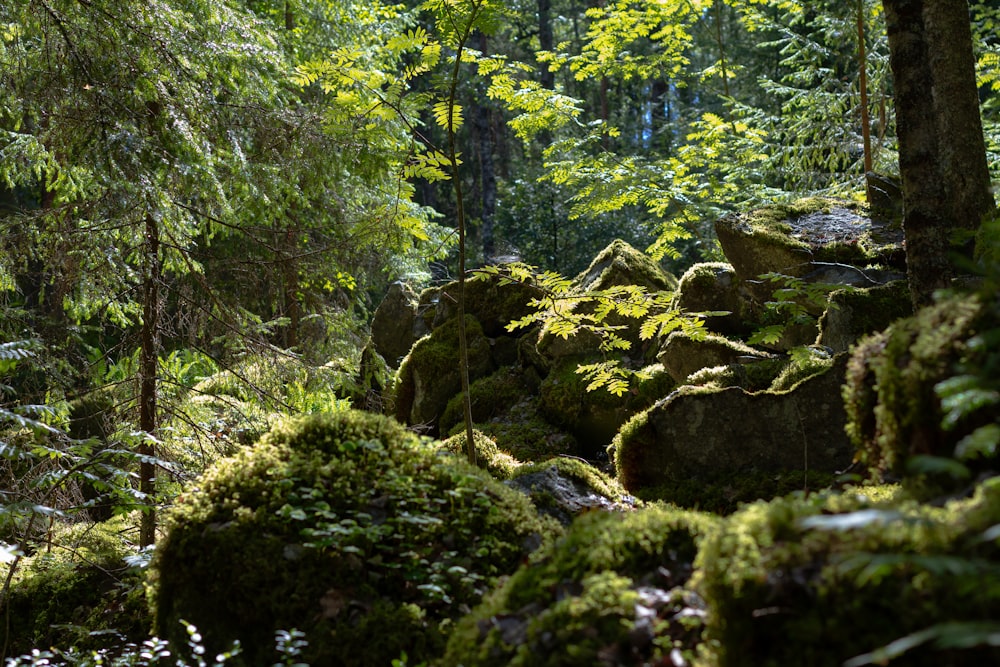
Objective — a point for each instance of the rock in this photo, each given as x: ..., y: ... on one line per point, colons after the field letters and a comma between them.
x: 564, y: 488
x: 617, y: 265
x: 493, y: 304
x: 713, y: 286
x: 699, y: 437
x: 612, y: 593
x: 392, y: 330
x: 429, y: 376
x: 822, y: 579
x: 854, y: 313
x: 682, y: 355
x: 927, y: 386
x: 798, y: 239
x: 593, y: 417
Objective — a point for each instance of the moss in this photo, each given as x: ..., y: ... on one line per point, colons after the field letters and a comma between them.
x: 801, y: 368
x: 82, y: 593
x: 490, y: 397
x: 852, y: 313
x: 527, y: 436
x: 347, y: 527
x: 582, y: 472
x: 892, y: 396
x: 429, y: 375
x: 609, y: 592
x: 619, y: 264
x: 818, y: 580
x: 489, y: 456
x: 751, y: 377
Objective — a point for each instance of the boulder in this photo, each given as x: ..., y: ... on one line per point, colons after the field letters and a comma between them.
x: 856, y: 312
x: 714, y: 287
x: 392, y: 329
x: 429, y: 376
x: 927, y: 387
x: 564, y: 488
x: 613, y: 592
x: 682, y: 355
x: 493, y: 303
x: 805, y: 238
x: 822, y: 579
x: 699, y: 437
x: 617, y: 265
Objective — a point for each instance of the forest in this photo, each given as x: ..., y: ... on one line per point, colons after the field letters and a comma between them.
x: 476, y: 333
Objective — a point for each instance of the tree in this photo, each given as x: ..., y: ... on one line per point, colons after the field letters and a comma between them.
x: 942, y: 153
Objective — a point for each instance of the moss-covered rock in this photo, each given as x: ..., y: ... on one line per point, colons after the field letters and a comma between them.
x: 82, y: 593
x: 618, y: 264
x: 682, y: 354
x: 491, y: 396
x: 856, y: 312
x: 714, y: 287
x: 393, y: 329
x: 524, y: 434
x: 429, y: 376
x: 700, y: 441
x: 594, y: 416
x: 610, y: 592
x: 347, y: 527
x: 788, y: 238
x: 819, y: 580
x: 494, y: 304
x: 923, y: 387
x: 565, y: 487
x: 752, y: 377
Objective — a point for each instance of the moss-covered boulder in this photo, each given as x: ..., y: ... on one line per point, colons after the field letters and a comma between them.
x: 927, y: 387
x: 347, y: 527
x: 711, y: 447
x: 393, y: 329
x: 565, y: 487
x: 683, y: 354
x: 820, y: 240
x: 714, y: 287
x: 594, y: 416
x: 492, y: 302
x: 619, y: 264
x: 492, y: 396
x: 852, y: 313
x: 820, y: 580
x: 489, y: 456
x: 429, y: 376
x: 610, y: 592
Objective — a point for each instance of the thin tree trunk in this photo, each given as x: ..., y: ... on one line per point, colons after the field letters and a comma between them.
x: 866, y: 129
x: 486, y: 171
x: 148, y: 355
x: 546, y: 42
x: 942, y: 154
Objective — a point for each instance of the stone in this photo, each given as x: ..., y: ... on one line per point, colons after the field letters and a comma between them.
x: 564, y: 488
x: 854, y: 313
x: 713, y: 286
x: 392, y: 329
x: 696, y: 437
x: 682, y: 355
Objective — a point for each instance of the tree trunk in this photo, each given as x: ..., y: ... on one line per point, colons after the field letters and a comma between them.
x: 942, y: 155
x: 148, y: 355
x: 486, y: 171
x: 546, y: 42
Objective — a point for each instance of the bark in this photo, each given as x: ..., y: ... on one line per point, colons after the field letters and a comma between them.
x: 486, y: 171
x: 942, y: 154
x: 148, y: 355
x: 546, y: 42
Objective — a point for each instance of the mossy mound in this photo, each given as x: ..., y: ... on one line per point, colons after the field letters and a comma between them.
x: 82, y: 593
x: 609, y: 592
x: 489, y: 456
x: 621, y: 264
x: 491, y: 396
x: 923, y: 388
x: 819, y: 580
x: 347, y: 527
